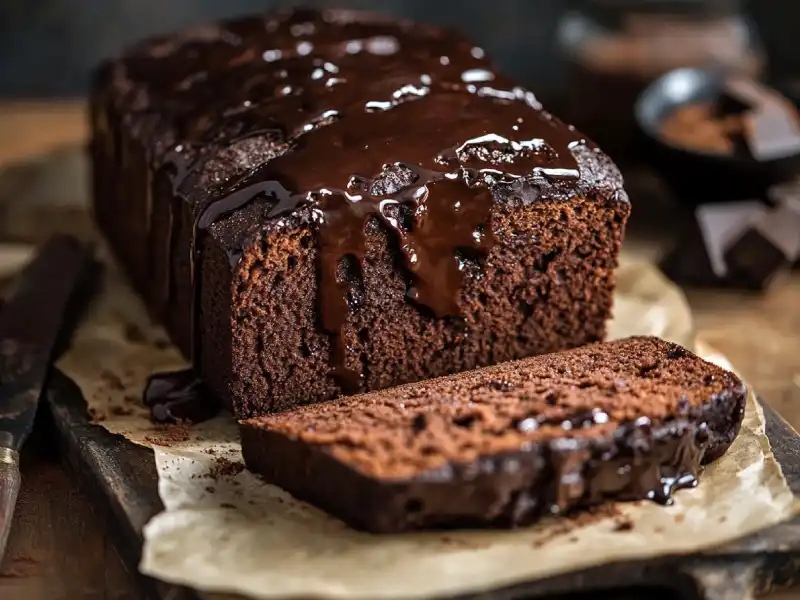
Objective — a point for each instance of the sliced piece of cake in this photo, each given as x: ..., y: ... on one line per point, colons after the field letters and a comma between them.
x: 503, y: 445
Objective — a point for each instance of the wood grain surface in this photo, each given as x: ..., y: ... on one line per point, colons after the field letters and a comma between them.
x: 59, y: 546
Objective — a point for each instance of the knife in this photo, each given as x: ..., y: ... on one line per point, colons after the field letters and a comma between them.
x: 32, y: 324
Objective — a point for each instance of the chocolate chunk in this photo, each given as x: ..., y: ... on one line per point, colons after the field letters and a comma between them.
x: 754, y: 260
x: 788, y: 194
x: 178, y: 397
x: 688, y: 262
x: 770, y: 245
x: 772, y: 126
x: 721, y: 224
x: 748, y: 92
x: 739, y: 244
x: 772, y: 132
x: 699, y: 257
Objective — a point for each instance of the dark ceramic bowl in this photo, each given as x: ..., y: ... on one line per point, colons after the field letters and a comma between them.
x: 699, y: 176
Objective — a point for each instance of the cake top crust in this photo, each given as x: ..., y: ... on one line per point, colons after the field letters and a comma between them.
x: 589, y: 392
x: 274, y: 84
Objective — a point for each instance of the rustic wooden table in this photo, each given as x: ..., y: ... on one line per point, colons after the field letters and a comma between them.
x: 58, y: 546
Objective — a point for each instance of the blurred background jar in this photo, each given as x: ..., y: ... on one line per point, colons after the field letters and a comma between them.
x: 613, y: 49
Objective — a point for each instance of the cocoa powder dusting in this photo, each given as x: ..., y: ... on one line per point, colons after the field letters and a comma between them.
x: 95, y: 415
x: 225, y: 468
x: 623, y: 525
x: 112, y: 380
x: 169, y: 435
x: 571, y: 523
x: 121, y: 411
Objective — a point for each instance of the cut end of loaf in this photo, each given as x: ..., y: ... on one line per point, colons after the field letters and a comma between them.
x: 547, y: 285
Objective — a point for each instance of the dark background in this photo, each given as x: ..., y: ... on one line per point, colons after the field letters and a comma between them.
x: 47, y: 47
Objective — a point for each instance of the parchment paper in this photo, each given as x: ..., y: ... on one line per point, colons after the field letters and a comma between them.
x: 225, y: 530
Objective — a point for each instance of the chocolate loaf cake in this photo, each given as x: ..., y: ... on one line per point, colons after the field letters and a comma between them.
x: 505, y: 444
x: 324, y: 202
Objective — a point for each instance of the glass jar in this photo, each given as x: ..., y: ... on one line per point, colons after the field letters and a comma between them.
x: 614, y: 48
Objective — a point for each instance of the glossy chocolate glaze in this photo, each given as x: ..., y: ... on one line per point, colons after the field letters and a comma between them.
x: 639, y: 461
x: 178, y: 397
x: 367, y: 119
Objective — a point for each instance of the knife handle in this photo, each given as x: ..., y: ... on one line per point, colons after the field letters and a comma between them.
x: 9, y: 489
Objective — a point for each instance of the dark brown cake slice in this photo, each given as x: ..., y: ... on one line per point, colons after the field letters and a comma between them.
x: 504, y: 445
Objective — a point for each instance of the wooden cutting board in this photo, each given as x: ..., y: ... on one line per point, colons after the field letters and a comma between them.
x: 121, y: 478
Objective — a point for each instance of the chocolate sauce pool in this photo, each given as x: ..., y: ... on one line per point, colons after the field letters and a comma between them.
x: 365, y: 120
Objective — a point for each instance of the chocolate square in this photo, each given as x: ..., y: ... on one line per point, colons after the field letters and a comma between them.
x: 722, y: 224
x: 771, y: 126
x: 699, y: 257
x: 787, y: 194
x: 772, y: 132
x: 770, y: 245
x: 688, y: 261
x: 753, y: 261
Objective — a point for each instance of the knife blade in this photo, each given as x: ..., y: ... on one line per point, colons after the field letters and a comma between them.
x: 32, y: 324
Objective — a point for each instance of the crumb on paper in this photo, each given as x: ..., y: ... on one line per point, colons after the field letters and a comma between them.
x: 113, y: 380
x: 623, y: 525
x: 171, y: 434
x: 95, y: 415
x: 569, y: 524
x: 463, y: 543
x: 225, y: 468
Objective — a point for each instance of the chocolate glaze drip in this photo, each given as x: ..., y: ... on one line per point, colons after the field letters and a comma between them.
x: 665, y: 459
x: 178, y: 397
x: 365, y: 119
x: 639, y: 462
